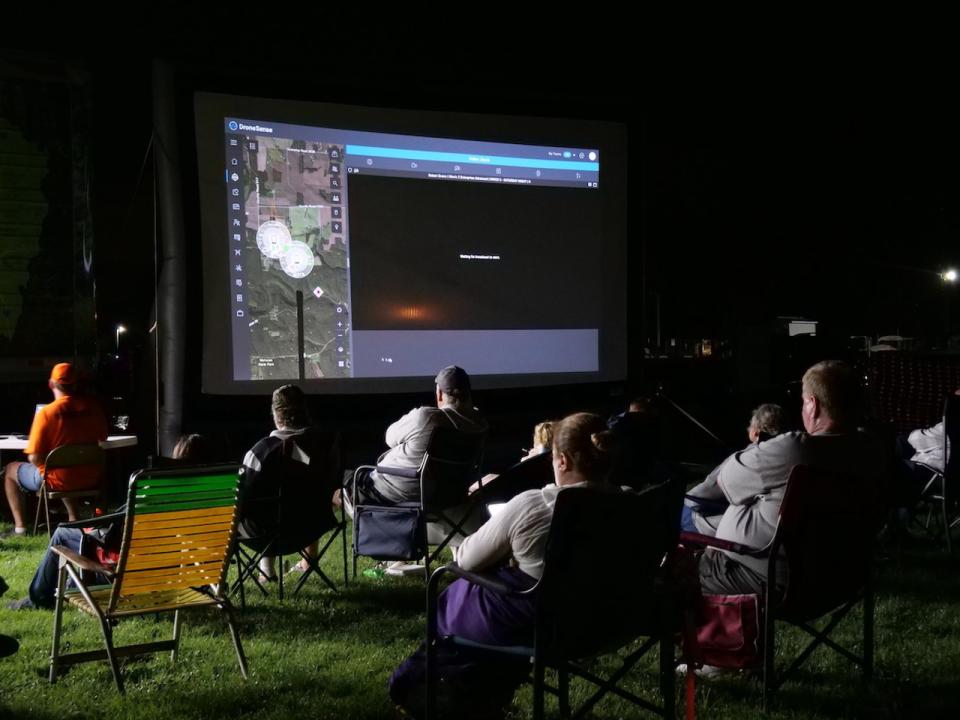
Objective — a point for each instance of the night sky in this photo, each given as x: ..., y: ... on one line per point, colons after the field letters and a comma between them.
x: 758, y: 187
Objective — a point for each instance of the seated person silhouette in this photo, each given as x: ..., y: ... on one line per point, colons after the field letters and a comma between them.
x: 706, y: 503
x: 407, y: 440
x: 533, y: 471
x: 288, y: 479
x: 638, y: 435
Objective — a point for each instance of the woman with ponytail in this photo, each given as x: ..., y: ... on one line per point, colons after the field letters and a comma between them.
x: 511, y: 545
x: 513, y: 542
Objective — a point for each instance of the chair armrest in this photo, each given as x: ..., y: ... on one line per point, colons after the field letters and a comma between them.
x: 80, y: 561
x: 398, y: 471
x: 692, y: 538
x: 932, y: 469
x: 487, y: 581
x: 95, y: 521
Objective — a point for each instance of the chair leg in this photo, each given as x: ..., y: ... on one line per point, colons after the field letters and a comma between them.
x: 41, y: 501
x: 281, y: 571
x: 240, y: 578
x: 57, y: 623
x: 538, y: 691
x: 945, y: 515
x: 107, y: 632
x: 563, y: 691
x: 769, y: 653
x: 241, y: 658
x: 667, y: 675
x: 176, y: 636
x: 343, y: 537
x: 868, y: 639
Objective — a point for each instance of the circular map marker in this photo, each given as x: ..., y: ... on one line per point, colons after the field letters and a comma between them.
x: 298, y: 260
x: 273, y: 239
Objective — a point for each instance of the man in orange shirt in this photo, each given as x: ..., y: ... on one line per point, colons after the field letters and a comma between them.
x: 70, y: 418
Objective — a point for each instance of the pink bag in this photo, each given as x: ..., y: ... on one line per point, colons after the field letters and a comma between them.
x: 728, y: 631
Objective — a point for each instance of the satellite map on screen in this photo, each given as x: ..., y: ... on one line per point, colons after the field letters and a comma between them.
x: 294, y: 241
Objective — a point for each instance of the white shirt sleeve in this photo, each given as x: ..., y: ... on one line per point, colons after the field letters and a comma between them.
x: 491, y: 544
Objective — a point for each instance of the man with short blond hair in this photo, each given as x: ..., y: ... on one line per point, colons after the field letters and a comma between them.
x: 753, y: 480
x: 70, y: 419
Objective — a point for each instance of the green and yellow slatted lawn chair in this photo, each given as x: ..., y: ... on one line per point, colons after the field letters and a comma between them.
x: 177, y: 539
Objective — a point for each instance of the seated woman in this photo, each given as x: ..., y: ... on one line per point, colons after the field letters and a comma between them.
x: 513, y: 542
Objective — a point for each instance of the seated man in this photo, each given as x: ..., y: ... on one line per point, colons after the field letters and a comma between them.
x: 70, y: 419
x: 259, y: 515
x: 407, y: 439
x: 753, y: 480
x: 706, y: 503
x: 921, y: 453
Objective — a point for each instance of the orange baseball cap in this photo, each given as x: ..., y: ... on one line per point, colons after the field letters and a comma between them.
x: 63, y: 374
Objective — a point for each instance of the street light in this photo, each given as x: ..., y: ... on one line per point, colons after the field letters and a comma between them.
x: 949, y: 275
x: 120, y: 329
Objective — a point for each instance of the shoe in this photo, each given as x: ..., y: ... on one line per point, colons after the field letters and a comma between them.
x: 707, y: 672
x: 21, y: 604
x: 297, y: 568
x: 402, y: 569
x: 12, y: 533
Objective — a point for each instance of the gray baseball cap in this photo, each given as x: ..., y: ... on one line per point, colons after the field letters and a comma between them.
x: 453, y: 377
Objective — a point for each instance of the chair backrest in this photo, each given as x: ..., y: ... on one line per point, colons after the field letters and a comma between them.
x: 951, y: 438
x: 306, y: 488
x: 828, y: 528
x: 178, y: 531
x: 290, y: 504
x: 603, y: 565
x: 73, y: 455
x: 531, y: 474
x: 450, y: 464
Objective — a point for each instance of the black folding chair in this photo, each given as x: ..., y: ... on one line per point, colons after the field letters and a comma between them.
x: 289, y: 509
x: 586, y: 605
x: 827, y: 530
x: 940, y: 494
x: 450, y: 465
x: 532, y: 474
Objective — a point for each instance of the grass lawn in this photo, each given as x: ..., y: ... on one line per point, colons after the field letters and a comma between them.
x: 328, y: 655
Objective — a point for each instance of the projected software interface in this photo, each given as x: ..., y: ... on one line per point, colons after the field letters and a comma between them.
x: 356, y: 254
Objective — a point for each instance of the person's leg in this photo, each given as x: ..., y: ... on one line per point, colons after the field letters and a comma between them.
x: 73, y: 508
x: 44, y: 584
x: 20, y: 477
x: 311, y: 552
x: 722, y: 575
x: 268, y: 568
x: 366, y: 492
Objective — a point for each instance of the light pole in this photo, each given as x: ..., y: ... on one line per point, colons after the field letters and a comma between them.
x: 949, y: 277
x: 120, y: 329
